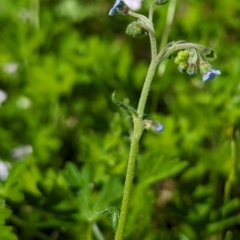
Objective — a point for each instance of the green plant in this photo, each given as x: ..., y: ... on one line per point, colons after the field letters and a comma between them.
x: 188, y: 56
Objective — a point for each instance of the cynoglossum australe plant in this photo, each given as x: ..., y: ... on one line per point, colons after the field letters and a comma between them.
x: 188, y: 56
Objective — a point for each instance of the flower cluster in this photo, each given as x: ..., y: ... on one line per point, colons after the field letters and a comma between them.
x: 188, y: 60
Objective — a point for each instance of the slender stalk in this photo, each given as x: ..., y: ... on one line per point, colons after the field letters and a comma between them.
x: 138, y: 123
x: 89, y: 230
x: 151, y: 11
x: 168, y: 50
x: 137, y: 132
x: 96, y: 232
x: 146, y: 87
x: 129, y: 178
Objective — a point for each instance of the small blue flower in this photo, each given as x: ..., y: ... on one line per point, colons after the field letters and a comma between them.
x: 154, y: 126
x: 119, y: 7
x: 159, y: 128
x: 210, y: 75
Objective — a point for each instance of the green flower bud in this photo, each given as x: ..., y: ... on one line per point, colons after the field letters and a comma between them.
x: 184, y: 54
x: 193, y: 56
x: 152, y: 125
x: 192, y: 68
x: 177, y: 60
x: 134, y: 29
x: 182, y: 67
x: 204, y: 67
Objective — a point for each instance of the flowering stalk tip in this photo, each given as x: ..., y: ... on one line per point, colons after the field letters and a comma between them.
x: 188, y: 61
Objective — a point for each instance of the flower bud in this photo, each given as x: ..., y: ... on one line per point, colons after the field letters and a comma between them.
x: 193, y: 56
x: 204, y: 66
x: 134, y: 29
x: 182, y: 67
x: 181, y: 56
x: 184, y: 54
x: 119, y: 7
x: 192, y: 68
x: 154, y: 126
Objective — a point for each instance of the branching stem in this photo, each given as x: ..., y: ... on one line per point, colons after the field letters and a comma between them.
x: 137, y: 131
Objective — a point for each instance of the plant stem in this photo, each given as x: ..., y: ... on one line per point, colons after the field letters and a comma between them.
x: 146, y: 87
x: 89, y: 230
x: 137, y: 132
x: 96, y: 232
x: 129, y: 178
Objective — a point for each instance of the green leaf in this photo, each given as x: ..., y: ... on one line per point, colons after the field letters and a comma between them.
x: 128, y: 109
x: 6, y: 232
x: 160, y: 169
x: 224, y: 224
x: 114, y: 215
x: 110, y: 192
x: 12, y: 186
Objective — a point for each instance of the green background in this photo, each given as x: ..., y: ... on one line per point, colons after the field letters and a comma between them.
x: 60, y: 62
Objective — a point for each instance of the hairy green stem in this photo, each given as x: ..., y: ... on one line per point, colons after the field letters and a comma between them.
x: 151, y: 11
x: 146, y: 87
x: 137, y: 132
x: 138, y: 124
x: 178, y: 46
x: 129, y: 178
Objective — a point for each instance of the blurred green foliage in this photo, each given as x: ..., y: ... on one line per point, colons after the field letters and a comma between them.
x: 65, y: 144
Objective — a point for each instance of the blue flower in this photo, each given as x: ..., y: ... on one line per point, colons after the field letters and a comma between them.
x: 154, y: 126
x: 210, y: 75
x: 158, y: 128
x: 119, y: 7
